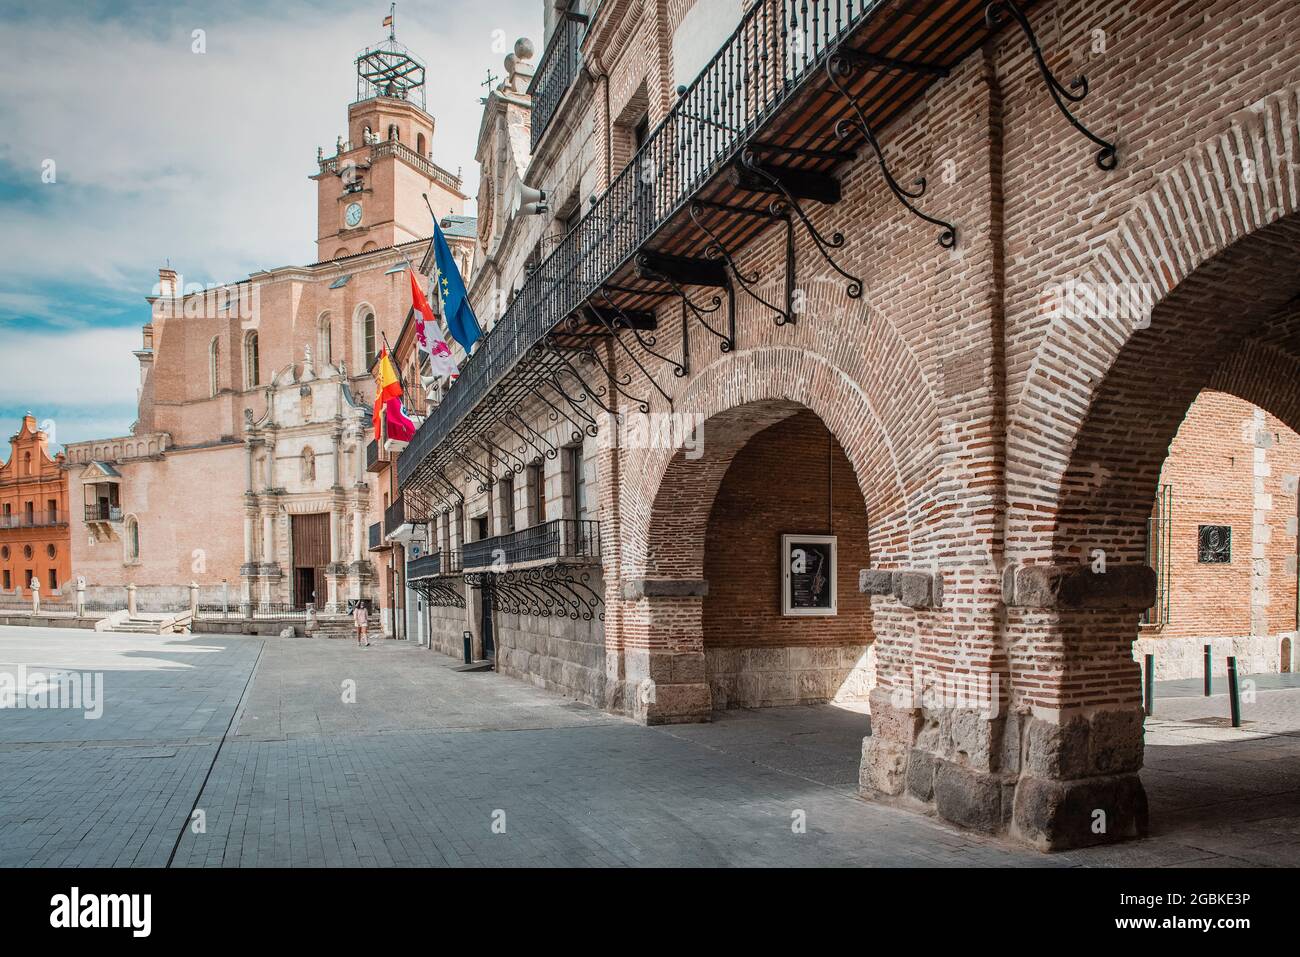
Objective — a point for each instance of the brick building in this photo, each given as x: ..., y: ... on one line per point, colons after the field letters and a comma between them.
x: 246, y: 469
x: 871, y: 230
x: 34, y: 538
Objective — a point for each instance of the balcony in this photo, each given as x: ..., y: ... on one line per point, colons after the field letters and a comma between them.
x: 400, y: 150
x: 395, y: 515
x: 556, y: 72
x: 564, y: 539
x: 103, y: 513
x: 376, y: 457
x: 771, y: 99
x: 377, y: 543
x: 43, y: 519
x: 437, y: 565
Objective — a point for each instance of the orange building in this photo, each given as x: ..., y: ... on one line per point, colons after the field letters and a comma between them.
x: 34, y: 535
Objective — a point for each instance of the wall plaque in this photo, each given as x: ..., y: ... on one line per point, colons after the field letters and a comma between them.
x: 808, y: 570
x: 1214, y: 544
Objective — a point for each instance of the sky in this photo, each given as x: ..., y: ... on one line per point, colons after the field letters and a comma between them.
x: 124, y: 149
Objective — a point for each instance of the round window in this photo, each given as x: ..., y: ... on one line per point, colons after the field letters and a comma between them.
x: 4, y: 551
x: 27, y: 551
x: 51, y: 550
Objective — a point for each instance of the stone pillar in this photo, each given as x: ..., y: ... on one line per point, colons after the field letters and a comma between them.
x: 248, y: 447
x: 250, y: 516
x: 270, y: 465
x: 359, y: 543
x: 336, y: 536
x: 338, y: 455
x: 663, y: 680
x: 81, y: 597
x: 36, y: 595
x: 130, y: 600
x: 268, y: 538
x: 194, y: 598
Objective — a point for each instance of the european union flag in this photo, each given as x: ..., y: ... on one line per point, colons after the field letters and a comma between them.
x: 461, y: 322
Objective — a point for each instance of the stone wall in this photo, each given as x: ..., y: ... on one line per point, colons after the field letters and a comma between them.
x: 555, y: 653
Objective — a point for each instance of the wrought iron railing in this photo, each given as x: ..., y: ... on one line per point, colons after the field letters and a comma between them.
x: 40, y: 519
x: 562, y: 538
x: 103, y: 513
x: 273, y: 611
x: 556, y: 72
x: 376, y: 457
x: 395, y: 515
x: 377, y: 536
x: 778, y: 44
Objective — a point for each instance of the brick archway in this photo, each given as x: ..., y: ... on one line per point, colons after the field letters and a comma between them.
x: 1216, y: 239
x: 657, y: 635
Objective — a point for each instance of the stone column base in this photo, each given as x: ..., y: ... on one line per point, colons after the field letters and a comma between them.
x: 663, y: 687
x: 1059, y: 815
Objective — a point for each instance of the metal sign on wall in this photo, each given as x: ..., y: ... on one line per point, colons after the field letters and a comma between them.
x: 808, y: 573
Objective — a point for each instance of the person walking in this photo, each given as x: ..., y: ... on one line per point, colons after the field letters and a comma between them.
x: 362, y: 622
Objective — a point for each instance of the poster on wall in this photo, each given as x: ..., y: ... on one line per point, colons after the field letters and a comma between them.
x: 808, y: 575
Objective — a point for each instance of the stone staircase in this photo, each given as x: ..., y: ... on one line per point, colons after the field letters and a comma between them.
x: 342, y: 626
x: 122, y: 623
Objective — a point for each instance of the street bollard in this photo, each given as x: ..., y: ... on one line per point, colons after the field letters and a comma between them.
x: 1208, y: 668
x: 1234, y: 695
x: 469, y: 647
x: 1149, y: 685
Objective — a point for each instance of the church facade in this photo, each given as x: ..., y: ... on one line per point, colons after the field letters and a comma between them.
x: 245, y: 471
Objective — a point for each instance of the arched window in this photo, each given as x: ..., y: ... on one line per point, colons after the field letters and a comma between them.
x: 324, y: 339
x: 419, y: 143
x: 214, y: 366
x: 27, y: 463
x: 251, y: 374
x: 368, y: 338
x: 132, y: 539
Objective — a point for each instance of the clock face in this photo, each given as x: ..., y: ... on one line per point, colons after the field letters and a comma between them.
x: 352, y: 215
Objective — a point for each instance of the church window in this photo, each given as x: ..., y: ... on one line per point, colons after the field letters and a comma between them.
x: 368, y: 338
x: 252, y: 377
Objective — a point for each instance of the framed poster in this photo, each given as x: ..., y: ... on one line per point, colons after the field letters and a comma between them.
x: 808, y: 570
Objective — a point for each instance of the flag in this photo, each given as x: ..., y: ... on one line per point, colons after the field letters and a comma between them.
x: 428, y: 340
x: 388, y: 20
x: 388, y: 402
x: 461, y: 322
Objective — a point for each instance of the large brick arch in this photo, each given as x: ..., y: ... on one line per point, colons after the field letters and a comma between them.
x: 1213, y: 238
x: 738, y: 395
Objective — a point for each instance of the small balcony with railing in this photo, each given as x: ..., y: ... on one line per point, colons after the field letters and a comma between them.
x: 436, y: 565
x: 376, y: 457
x: 562, y: 541
x: 560, y: 65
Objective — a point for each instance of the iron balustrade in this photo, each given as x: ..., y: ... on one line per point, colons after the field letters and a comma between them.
x: 563, y: 538
x: 377, y: 537
x: 556, y: 72
x: 429, y: 566
x: 778, y: 45
x: 376, y: 457
x: 41, y: 519
x: 273, y: 611
x: 103, y: 513
x: 395, y: 515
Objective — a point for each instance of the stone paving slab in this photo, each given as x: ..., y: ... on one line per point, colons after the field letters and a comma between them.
x: 413, y: 772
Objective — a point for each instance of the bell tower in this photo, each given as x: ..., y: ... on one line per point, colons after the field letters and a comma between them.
x: 369, y: 194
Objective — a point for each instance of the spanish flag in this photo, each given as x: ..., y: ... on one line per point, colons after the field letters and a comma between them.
x: 388, y: 403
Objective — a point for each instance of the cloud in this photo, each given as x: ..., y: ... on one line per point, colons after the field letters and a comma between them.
x: 203, y: 158
x: 85, y: 368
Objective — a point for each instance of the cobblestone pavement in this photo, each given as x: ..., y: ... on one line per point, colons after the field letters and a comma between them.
x: 421, y: 762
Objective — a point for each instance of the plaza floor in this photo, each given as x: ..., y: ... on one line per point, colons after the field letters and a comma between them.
x: 228, y: 751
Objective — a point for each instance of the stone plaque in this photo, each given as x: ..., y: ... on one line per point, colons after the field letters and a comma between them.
x: 808, y: 575
x: 1214, y: 544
